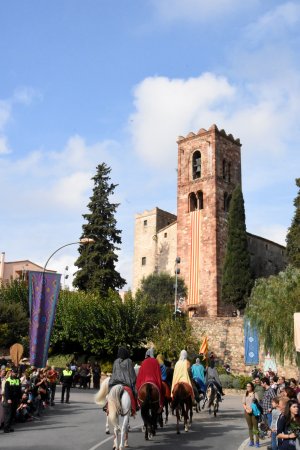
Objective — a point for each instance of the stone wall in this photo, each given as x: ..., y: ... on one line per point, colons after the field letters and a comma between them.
x: 267, y: 257
x: 226, y: 340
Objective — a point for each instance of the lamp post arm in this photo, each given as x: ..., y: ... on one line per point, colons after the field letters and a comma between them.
x: 63, y: 246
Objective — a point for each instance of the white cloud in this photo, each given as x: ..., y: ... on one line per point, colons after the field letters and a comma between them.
x: 166, y: 108
x: 25, y: 95
x: 197, y: 10
x: 5, y: 113
x: 275, y: 23
x: 4, y: 148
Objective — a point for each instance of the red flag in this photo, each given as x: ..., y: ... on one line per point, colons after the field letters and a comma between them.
x: 204, y: 348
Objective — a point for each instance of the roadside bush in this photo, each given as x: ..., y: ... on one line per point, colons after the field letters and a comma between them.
x: 227, y: 380
x: 236, y: 383
x: 244, y: 379
x: 106, y: 366
x: 60, y: 361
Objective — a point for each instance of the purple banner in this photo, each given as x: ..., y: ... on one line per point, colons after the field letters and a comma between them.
x: 43, y: 294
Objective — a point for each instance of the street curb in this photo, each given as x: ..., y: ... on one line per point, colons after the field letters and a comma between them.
x: 263, y: 444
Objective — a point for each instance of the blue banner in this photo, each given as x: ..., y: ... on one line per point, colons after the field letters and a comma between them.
x: 251, y: 344
x: 43, y: 294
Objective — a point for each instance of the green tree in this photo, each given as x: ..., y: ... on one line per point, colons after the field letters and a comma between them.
x: 86, y: 322
x: 171, y: 336
x: 272, y: 303
x: 159, y: 288
x: 13, y: 324
x: 97, y: 261
x: 293, y: 236
x: 237, y: 280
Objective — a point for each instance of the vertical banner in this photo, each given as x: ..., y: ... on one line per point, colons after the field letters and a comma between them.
x: 43, y: 294
x: 251, y: 344
x: 297, y: 331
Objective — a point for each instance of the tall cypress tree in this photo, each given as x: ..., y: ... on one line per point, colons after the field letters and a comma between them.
x: 97, y: 261
x: 293, y: 236
x: 237, y: 280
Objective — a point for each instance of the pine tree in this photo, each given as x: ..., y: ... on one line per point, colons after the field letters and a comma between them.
x: 293, y: 236
x: 97, y: 261
x: 237, y: 280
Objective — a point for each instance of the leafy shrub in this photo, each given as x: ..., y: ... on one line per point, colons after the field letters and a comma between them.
x: 226, y: 380
x: 60, y: 361
x: 236, y: 383
x: 244, y: 379
x: 106, y: 366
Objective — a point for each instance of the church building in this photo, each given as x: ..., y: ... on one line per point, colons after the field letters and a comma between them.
x: 209, y: 168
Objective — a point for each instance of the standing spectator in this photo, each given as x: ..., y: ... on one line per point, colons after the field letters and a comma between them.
x: 66, y: 380
x: 287, y: 424
x: 258, y: 389
x: 12, y: 395
x: 3, y: 361
x: 276, y: 412
x: 52, y: 378
x: 251, y: 419
x: 267, y: 400
x: 281, y: 384
x: 96, y: 376
x: 2, y: 383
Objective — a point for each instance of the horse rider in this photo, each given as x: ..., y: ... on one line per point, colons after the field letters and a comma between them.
x: 164, y: 376
x: 123, y: 373
x: 181, y: 375
x: 212, y: 376
x: 198, y: 374
x: 150, y: 373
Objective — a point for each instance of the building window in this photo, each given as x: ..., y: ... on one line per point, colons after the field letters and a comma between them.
x: 229, y: 172
x: 192, y: 202
x: 196, y: 165
x: 224, y: 169
x: 145, y: 223
x: 165, y: 235
x: 143, y: 260
x: 200, y: 199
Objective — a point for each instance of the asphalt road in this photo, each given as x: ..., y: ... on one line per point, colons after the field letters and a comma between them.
x: 81, y: 426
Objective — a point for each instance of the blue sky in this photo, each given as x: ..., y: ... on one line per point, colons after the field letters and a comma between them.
x: 82, y: 82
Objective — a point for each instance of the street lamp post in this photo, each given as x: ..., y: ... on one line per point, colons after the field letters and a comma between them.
x: 177, y: 272
x: 83, y: 241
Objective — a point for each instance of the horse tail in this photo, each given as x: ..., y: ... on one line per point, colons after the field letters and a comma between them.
x: 100, y: 397
x: 114, y: 404
x: 176, y: 398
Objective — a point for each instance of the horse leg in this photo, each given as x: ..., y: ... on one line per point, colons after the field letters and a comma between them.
x: 107, y: 425
x: 178, y: 420
x: 124, y: 431
x: 167, y: 412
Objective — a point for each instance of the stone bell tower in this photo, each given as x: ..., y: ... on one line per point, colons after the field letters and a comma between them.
x: 209, y: 168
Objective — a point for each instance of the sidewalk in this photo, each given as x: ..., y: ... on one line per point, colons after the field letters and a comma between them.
x: 263, y: 444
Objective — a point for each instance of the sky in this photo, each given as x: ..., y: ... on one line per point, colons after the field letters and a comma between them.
x: 86, y: 82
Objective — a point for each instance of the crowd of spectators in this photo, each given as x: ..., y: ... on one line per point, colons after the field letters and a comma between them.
x: 25, y: 391
x: 271, y: 407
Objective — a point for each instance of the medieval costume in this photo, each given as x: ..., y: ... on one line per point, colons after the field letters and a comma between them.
x: 124, y: 373
x: 181, y: 371
x: 150, y: 373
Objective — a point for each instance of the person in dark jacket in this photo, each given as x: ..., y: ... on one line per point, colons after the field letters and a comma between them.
x: 66, y: 380
x: 12, y: 396
x: 124, y: 373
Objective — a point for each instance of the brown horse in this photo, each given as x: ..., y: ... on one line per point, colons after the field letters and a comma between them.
x: 183, y: 404
x: 149, y: 401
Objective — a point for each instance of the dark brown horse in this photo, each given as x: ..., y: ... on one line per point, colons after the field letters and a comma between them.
x: 182, y: 403
x: 149, y: 401
x: 167, y: 400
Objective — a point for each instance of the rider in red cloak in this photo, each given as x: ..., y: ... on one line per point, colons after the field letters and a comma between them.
x: 150, y: 373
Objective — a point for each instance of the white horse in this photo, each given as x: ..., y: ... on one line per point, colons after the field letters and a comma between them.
x: 119, y: 403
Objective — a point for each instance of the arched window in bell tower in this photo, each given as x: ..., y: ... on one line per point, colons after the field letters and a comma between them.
x: 192, y: 202
x: 200, y: 199
x: 196, y: 165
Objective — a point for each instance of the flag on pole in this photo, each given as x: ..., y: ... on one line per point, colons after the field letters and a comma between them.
x: 204, y: 348
x: 43, y: 294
